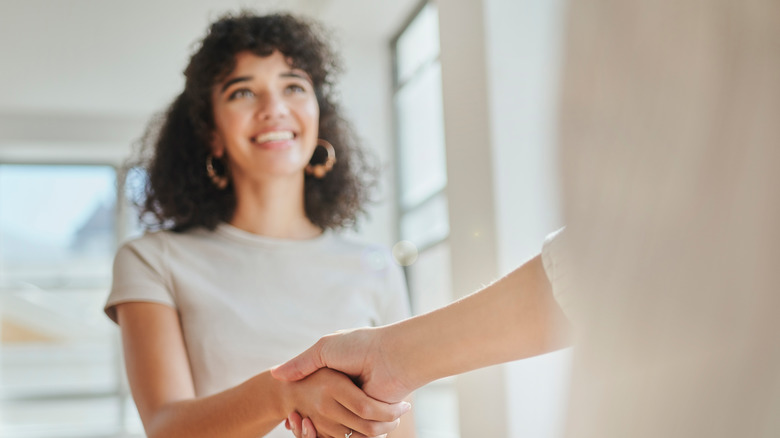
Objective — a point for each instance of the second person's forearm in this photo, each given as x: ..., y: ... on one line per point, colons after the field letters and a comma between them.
x: 513, y: 318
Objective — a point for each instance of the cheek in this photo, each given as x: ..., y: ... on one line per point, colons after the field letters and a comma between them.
x: 229, y: 118
x: 222, y: 123
x: 312, y: 114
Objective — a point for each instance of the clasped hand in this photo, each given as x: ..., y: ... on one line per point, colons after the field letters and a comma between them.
x: 359, y: 353
x: 330, y: 400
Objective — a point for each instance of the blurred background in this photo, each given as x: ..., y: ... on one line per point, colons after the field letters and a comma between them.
x: 455, y: 98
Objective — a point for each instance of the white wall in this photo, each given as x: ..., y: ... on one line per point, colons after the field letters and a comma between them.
x: 523, y: 45
x: 500, y: 61
x: 366, y: 93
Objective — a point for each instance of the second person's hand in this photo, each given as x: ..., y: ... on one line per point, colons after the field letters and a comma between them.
x: 360, y: 353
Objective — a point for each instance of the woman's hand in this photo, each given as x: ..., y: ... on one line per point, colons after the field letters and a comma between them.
x: 301, y: 427
x: 304, y: 428
x: 332, y: 402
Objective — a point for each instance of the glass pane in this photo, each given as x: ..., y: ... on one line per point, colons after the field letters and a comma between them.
x: 418, y: 44
x: 428, y: 223
x: 131, y: 420
x: 57, y: 225
x: 60, y: 374
x: 47, y: 352
x: 436, y: 404
x: 422, y: 158
x: 430, y: 283
x: 59, y: 356
x: 84, y: 418
x: 134, y: 194
x: 439, y: 401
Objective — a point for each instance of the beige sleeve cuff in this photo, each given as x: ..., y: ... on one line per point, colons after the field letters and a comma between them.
x: 555, y: 264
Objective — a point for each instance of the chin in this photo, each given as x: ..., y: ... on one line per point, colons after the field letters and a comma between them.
x: 282, y: 172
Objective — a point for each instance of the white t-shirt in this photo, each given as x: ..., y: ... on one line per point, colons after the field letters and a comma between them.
x: 248, y: 302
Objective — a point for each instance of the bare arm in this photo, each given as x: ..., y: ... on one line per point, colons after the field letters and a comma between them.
x: 513, y: 318
x: 161, y: 382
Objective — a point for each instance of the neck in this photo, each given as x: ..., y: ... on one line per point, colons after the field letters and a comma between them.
x: 273, y: 208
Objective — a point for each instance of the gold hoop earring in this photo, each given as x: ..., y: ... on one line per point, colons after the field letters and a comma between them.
x: 320, y: 170
x: 220, y: 181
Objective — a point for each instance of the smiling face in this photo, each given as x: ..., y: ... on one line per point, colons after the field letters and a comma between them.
x: 266, y: 118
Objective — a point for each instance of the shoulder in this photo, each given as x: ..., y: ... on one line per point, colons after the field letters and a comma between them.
x: 147, y: 240
x: 153, y: 247
x: 159, y: 241
x: 140, y: 254
x: 149, y: 244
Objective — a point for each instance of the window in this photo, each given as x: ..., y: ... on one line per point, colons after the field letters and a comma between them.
x: 423, y: 222
x: 60, y: 370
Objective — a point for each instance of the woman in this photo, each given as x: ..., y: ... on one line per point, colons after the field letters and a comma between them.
x: 252, y: 169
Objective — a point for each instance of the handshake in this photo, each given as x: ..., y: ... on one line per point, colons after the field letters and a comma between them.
x: 514, y: 318
x: 360, y: 354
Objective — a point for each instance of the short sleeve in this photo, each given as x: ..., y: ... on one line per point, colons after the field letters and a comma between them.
x: 139, y: 274
x: 555, y: 266
x: 395, y: 302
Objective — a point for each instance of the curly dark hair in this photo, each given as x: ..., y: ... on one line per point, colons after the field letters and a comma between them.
x: 179, y: 194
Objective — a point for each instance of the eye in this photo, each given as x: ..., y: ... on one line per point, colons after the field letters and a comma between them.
x: 295, y: 89
x: 241, y: 93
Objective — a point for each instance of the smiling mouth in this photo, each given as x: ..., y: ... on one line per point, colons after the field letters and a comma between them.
x: 274, y: 136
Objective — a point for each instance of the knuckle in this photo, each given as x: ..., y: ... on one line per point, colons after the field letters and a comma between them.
x: 374, y: 429
x: 329, y: 410
x: 364, y: 410
x: 383, y: 415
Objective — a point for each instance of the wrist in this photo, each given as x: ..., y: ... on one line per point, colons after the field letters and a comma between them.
x: 281, y: 393
x: 395, y: 350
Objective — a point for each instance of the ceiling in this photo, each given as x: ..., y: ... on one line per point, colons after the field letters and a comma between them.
x: 97, y: 57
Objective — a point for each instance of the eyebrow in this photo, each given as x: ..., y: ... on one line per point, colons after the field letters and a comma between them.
x: 233, y: 81
x: 294, y: 74
x: 290, y: 74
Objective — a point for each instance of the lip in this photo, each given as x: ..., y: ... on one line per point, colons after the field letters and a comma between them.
x: 274, y: 138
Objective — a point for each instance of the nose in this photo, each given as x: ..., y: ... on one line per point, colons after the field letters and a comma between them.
x: 272, y: 105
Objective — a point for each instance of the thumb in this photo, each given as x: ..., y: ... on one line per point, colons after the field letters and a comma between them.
x: 300, y: 366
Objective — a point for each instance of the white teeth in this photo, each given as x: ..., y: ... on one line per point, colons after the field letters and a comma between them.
x: 274, y: 136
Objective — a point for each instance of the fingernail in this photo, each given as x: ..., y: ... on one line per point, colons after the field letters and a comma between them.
x: 304, y: 430
x: 405, y: 407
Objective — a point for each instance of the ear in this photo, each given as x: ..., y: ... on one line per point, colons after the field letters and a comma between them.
x: 217, y: 145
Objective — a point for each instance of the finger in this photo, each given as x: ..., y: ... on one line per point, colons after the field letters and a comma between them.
x: 356, y: 401
x: 329, y: 428
x: 337, y: 421
x: 300, y: 366
x: 295, y: 420
x: 308, y: 430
